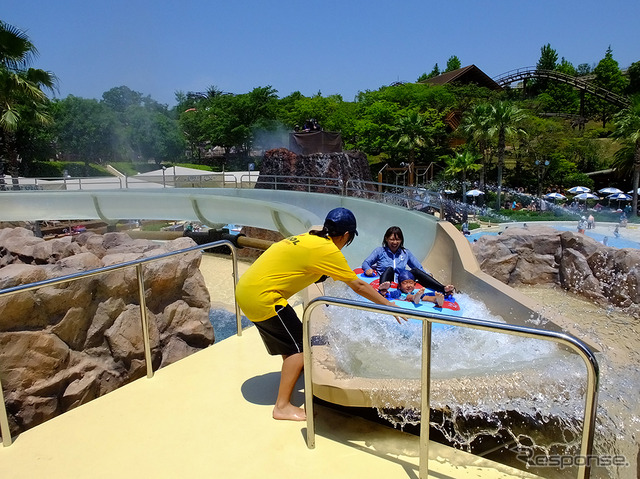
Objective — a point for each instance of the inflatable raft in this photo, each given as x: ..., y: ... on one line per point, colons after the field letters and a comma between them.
x: 450, y: 307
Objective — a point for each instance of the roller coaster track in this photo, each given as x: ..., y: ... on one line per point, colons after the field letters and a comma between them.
x: 522, y: 74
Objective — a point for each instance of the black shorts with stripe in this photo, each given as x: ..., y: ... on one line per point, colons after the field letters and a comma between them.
x: 282, y: 333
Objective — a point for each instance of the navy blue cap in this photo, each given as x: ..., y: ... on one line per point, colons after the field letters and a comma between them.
x: 341, y: 221
x: 405, y: 275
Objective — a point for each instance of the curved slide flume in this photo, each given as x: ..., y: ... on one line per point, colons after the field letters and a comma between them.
x: 443, y: 250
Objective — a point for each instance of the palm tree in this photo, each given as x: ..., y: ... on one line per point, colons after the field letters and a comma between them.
x: 21, y: 95
x: 503, y: 122
x: 463, y: 163
x: 411, y: 132
x: 628, y: 128
x: 475, y: 127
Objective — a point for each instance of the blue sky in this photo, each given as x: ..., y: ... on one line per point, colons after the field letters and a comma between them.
x: 159, y: 47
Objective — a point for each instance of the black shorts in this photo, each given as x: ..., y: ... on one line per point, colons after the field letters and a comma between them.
x: 282, y: 333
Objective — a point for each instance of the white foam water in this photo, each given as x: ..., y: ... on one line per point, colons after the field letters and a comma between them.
x: 545, y: 420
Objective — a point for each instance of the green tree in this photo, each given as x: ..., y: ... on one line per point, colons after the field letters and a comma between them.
x: 120, y: 98
x: 434, y: 72
x: 86, y: 130
x: 627, y: 128
x: 584, y: 69
x: 547, y: 61
x: 504, y: 121
x: 22, y: 98
x: 463, y: 163
x: 453, y: 63
x: 475, y: 126
x: 558, y: 97
x: 608, y: 76
x: 152, y: 135
x: 633, y: 73
x: 548, y: 58
x: 377, y: 113
x: 410, y: 133
x: 374, y: 126
x: 228, y: 121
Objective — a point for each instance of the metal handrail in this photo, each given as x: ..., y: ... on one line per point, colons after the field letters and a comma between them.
x: 4, y: 421
x: 286, y: 182
x: 593, y: 374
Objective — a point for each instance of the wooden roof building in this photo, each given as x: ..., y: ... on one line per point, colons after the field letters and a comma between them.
x: 464, y: 75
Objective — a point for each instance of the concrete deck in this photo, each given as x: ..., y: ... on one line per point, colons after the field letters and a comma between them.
x: 210, y: 415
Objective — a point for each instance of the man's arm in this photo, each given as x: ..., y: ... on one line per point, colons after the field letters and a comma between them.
x: 365, y: 290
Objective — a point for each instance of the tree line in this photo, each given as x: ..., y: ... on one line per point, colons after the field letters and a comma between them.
x: 503, y: 138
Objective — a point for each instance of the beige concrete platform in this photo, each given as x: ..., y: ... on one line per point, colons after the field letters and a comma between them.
x: 209, y: 415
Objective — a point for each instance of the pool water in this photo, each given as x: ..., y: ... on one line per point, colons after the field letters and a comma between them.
x: 612, y: 241
x: 224, y: 323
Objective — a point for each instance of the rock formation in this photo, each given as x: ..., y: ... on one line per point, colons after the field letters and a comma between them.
x: 343, y: 167
x: 63, y: 345
x: 576, y: 262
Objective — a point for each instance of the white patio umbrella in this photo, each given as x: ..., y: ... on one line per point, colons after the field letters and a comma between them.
x: 619, y: 196
x: 554, y: 196
x: 579, y: 189
x: 475, y: 193
x: 631, y: 192
x: 609, y: 190
x: 585, y: 196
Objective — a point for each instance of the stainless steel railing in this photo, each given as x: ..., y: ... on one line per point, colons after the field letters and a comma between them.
x: 4, y: 422
x: 427, y: 318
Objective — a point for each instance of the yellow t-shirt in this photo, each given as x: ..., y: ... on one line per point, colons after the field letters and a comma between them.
x: 284, y: 269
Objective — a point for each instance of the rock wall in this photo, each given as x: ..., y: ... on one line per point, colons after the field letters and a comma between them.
x: 343, y: 166
x: 576, y: 262
x: 61, y: 346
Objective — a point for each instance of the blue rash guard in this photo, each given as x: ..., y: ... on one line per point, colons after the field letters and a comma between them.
x: 382, y: 258
x: 396, y: 294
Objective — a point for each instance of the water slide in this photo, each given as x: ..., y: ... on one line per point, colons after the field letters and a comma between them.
x: 442, y: 249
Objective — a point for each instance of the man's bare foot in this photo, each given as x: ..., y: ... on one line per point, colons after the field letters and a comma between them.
x: 439, y: 299
x: 418, y: 296
x: 289, y: 413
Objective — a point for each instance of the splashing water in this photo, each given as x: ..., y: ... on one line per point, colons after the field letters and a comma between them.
x: 484, y: 384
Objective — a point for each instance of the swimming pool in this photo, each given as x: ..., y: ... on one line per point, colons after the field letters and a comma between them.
x: 611, y: 239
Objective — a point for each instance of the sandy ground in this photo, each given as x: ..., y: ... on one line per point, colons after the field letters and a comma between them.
x: 218, y: 276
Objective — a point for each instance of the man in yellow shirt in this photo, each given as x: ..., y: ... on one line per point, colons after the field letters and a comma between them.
x: 281, y: 271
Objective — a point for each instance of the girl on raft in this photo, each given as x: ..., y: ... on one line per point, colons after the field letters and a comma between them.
x: 392, y: 258
x: 405, y: 291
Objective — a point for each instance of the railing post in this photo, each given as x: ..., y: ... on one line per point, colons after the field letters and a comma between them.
x: 234, y: 260
x: 425, y: 399
x: 589, y: 359
x: 4, y: 421
x: 308, y: 380
x: 145, y: 321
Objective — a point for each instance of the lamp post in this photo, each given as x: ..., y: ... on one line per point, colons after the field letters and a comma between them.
x: 542, y: 169
x: 164, y: 184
